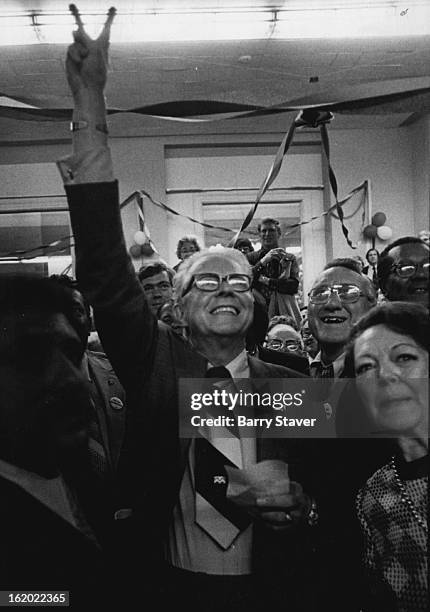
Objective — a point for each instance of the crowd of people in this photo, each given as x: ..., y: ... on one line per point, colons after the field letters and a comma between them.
x: 103, y: 498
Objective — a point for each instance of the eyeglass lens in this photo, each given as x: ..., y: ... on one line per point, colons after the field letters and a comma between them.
x: 346, y: 293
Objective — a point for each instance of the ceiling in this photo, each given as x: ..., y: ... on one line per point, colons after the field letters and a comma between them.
x: 257, y: 72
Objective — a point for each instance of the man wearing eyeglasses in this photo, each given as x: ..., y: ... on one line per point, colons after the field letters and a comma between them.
x: 403, y: 271
x: 338, y: 298
x: 159, y: 470
x: 340, y: 295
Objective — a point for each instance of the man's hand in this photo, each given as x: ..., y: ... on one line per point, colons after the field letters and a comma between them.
x: 277, y: 253
x: 87, y: 59
x: 284, y: 507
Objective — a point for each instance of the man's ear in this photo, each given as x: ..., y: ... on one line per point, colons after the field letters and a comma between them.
x: 178, y: 312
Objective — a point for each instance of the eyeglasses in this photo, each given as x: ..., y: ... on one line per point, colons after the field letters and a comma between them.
x: 347, y: 294
x: 283, y: 345
x: 212, y: 282
x: 406, y: 270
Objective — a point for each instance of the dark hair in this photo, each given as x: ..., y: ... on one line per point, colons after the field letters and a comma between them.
x: 268, y: 220
x: 72, y: 283
x: 244, y: 242
x: 369, y: 251
x: 151, y: 269
x: 402, y: 317
x: 31, y: 293
x: 385, y: 261
x: 184, y: 240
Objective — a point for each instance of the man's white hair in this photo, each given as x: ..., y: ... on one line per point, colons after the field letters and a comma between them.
x: 183, y: 276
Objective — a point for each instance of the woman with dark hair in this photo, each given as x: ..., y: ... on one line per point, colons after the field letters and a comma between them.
x: 388, y: 355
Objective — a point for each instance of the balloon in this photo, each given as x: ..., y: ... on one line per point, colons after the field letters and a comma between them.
x: 146, y: 249
x: 385, y: 232
x: 135, y: 250
x: 370, y: 231
x: 379, y: 219
x: 140, y: 237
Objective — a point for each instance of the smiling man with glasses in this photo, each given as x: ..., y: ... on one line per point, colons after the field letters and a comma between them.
x: 178, y: 558
x: 404, y: 271
x: 338, y: 298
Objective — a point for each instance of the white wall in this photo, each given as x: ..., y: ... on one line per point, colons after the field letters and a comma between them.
x: 384, y: 157
x: 420, y: 149
x: 395, y: 160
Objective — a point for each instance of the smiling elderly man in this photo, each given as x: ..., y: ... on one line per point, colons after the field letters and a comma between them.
x: 160, y: 470
x: 339, y: 297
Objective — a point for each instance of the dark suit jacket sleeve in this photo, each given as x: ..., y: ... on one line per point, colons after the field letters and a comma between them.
x: 128, y: 330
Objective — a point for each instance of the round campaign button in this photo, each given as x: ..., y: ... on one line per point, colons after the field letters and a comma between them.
x: 116, y: 403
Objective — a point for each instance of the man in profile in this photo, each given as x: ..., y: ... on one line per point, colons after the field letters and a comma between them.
x: 52, y: 512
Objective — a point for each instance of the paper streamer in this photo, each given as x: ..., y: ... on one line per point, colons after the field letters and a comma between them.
x: 66, y: 241
x: 308, y: 118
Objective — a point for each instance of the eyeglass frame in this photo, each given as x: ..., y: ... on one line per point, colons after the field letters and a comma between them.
x: 284, y: 343
x: 221, y: 279
x: 333, y: 289
x: 395, y: 268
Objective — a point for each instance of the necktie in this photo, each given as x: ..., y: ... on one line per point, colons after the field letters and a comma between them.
x: 374, y: 276
x: 221, y: 519
x: 319, y: 370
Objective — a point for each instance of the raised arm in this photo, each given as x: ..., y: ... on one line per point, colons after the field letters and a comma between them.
x: 127, y: 329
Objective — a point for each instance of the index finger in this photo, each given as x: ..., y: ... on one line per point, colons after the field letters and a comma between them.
x: 287, y: 500
x: 105, y: 33
x: 79, y: 35
x: 75, y: 12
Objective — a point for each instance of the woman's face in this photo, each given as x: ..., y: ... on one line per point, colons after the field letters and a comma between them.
x: 187, y: 249
x: 392, y: 374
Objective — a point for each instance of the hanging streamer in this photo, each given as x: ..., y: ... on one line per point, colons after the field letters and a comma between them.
x: 145, y: 228
x: 67, y: 241
x: 333, y: 183
x: 308, y: 118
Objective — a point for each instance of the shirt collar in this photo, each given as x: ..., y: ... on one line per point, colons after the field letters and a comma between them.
x: 338, y: 364
x: 238, y: 367
x: 85, y: 367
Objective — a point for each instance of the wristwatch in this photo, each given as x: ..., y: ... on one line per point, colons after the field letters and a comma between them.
x: 75, y: 126
x: 312, y: 518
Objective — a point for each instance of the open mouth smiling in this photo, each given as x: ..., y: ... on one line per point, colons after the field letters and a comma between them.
x: 225, y: 309
x: 333, y: 320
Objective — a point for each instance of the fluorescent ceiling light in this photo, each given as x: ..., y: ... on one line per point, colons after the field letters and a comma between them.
x: 389, y: 19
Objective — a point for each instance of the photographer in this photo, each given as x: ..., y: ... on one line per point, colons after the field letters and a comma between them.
x: 276, y: 272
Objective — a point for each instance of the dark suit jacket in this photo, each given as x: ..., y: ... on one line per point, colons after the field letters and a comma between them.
x: 42, y: 551
x: 149, y: 360
x: 298, y: 363
x: 110, y: 403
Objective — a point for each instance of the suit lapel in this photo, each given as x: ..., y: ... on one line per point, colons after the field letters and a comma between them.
x: 189, y: 364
